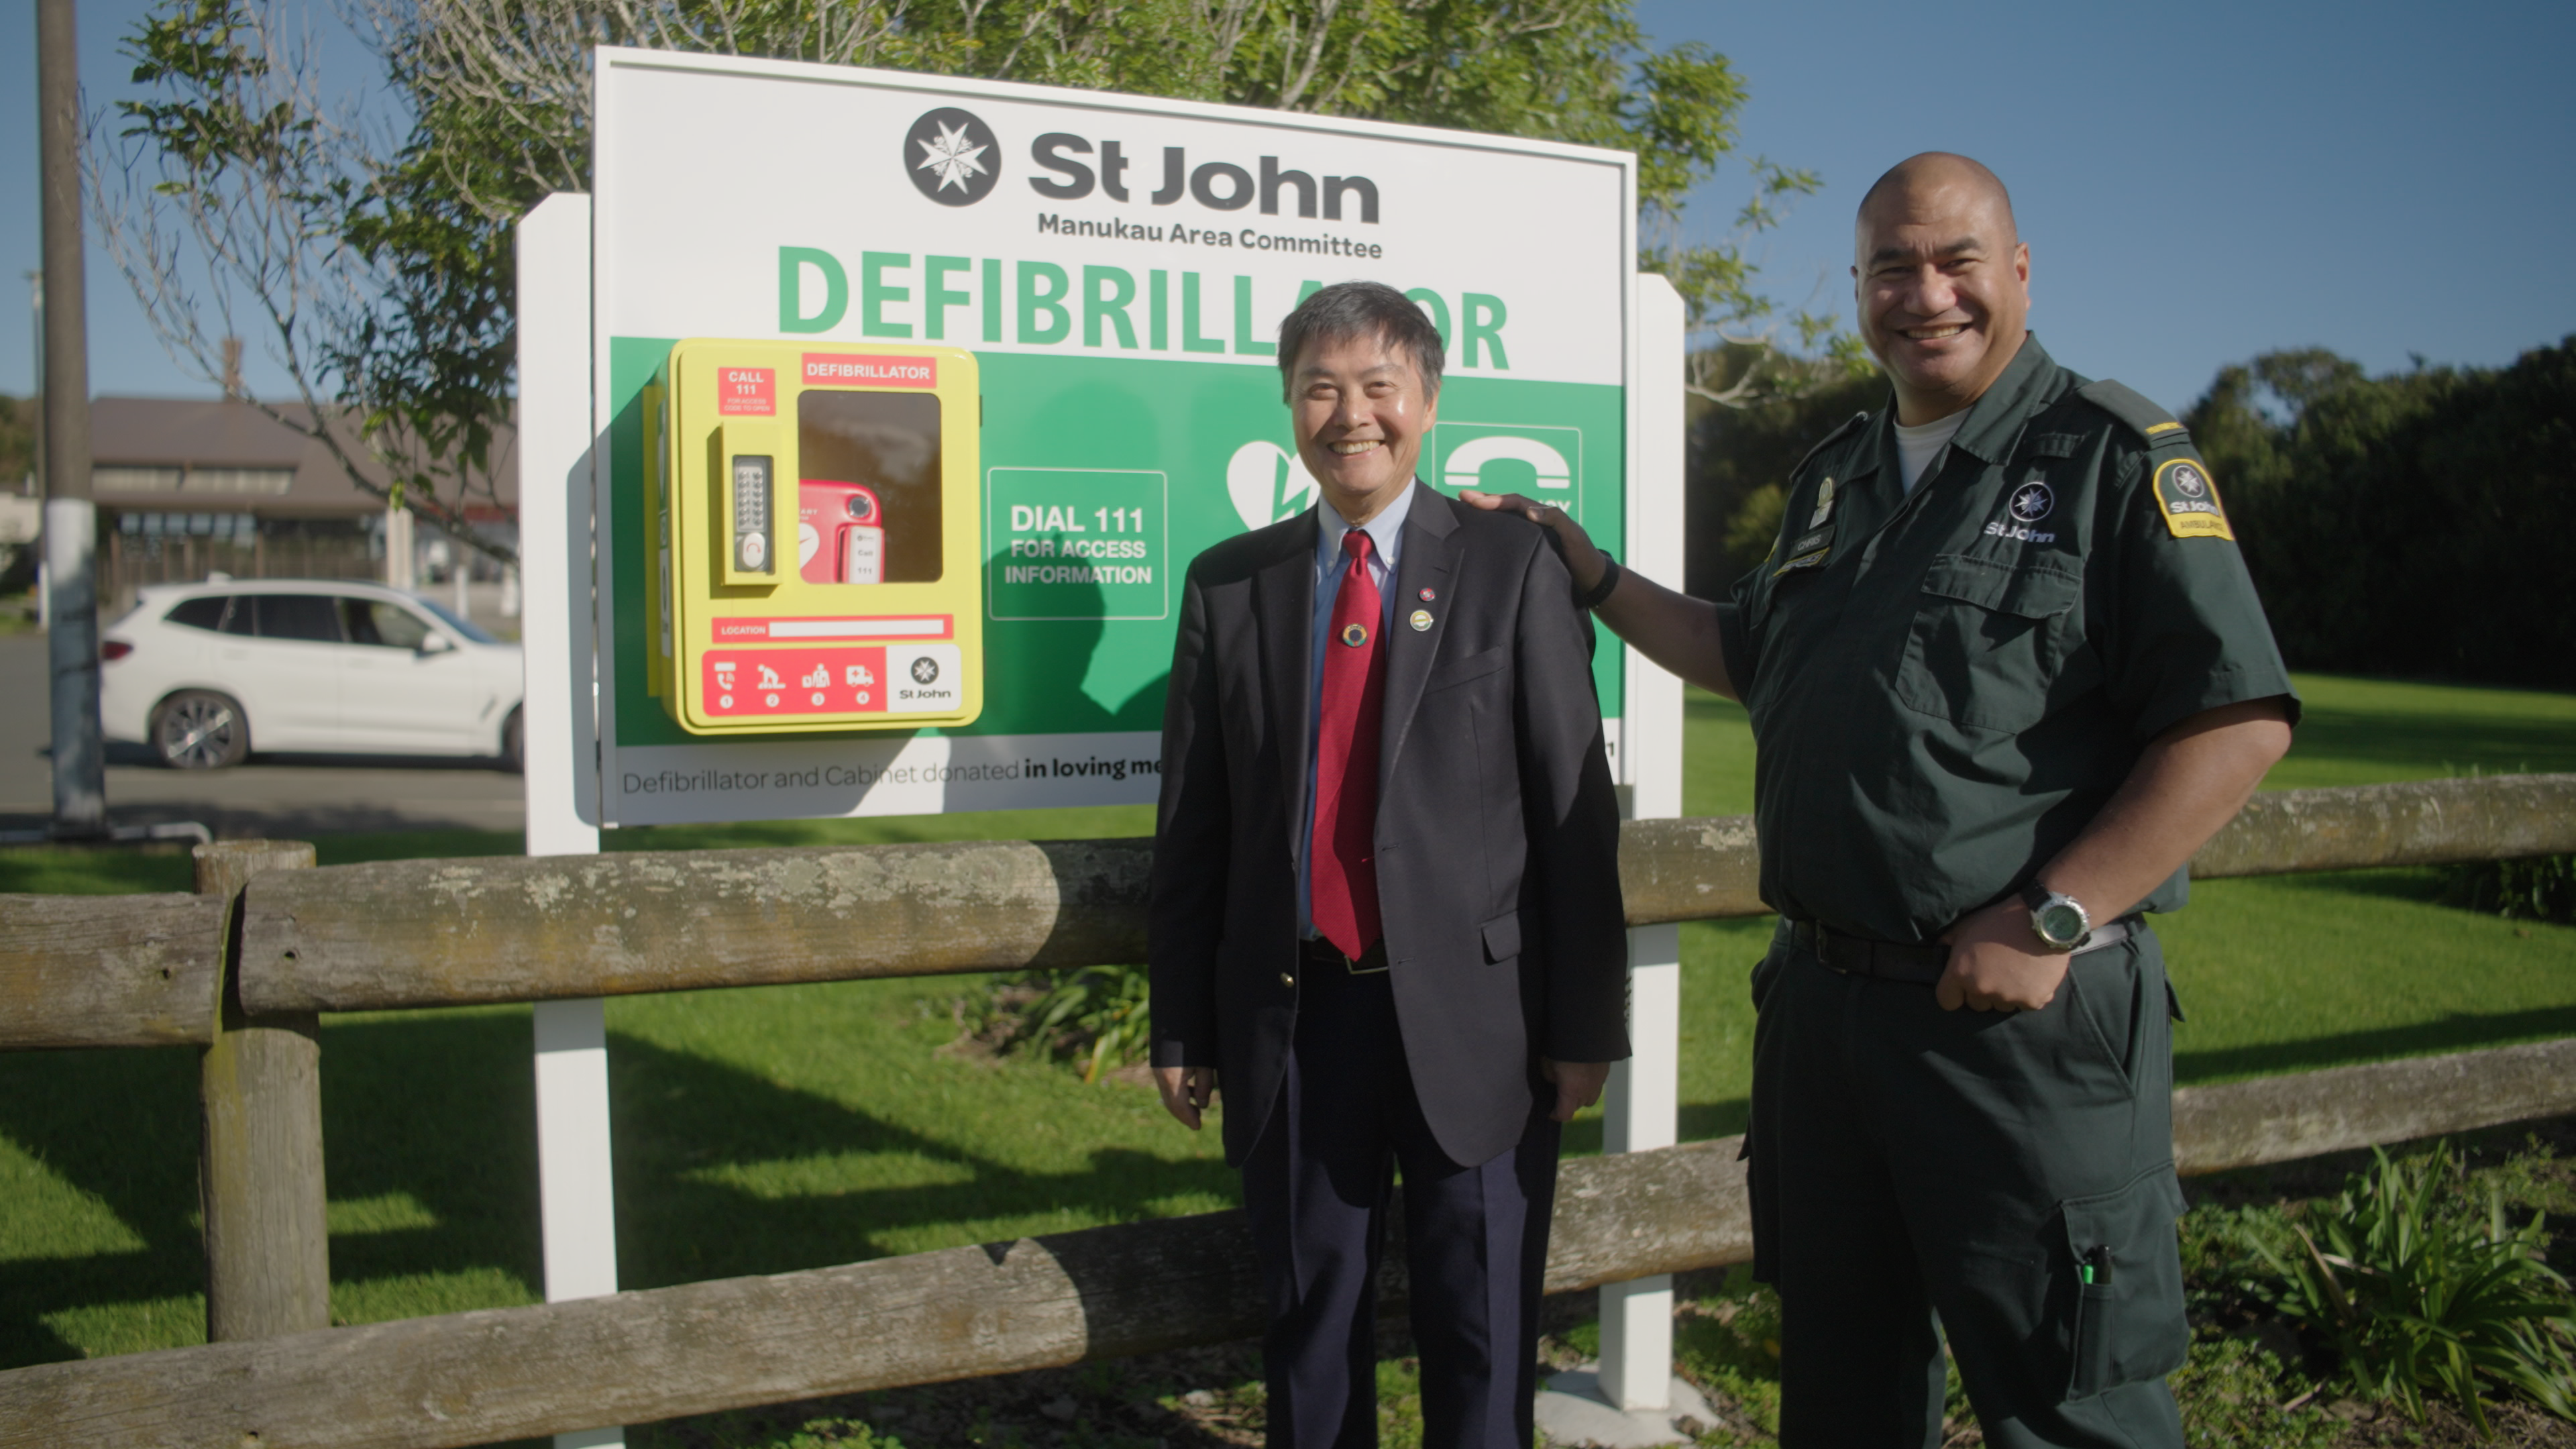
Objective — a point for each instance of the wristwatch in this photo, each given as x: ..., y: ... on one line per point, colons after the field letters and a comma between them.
x: 2059, y: 921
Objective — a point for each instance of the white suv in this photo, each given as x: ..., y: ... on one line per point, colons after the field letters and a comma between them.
x: 203, y: 673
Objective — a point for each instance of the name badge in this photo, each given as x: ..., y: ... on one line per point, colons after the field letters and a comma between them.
x: 1809, y: 550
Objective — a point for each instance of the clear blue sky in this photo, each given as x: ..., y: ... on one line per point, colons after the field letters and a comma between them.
x: 2199, y: 182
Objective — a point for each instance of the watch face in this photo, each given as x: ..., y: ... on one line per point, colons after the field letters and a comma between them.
x: 2061, y: 923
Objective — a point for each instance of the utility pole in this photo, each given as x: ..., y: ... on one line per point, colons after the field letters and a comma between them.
x: 35, y: 484
x: 71, y: 509
x: 36, y: 379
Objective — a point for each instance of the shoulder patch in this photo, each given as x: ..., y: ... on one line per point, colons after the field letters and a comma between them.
x: 2150, y: 422
x: 2189, y: 501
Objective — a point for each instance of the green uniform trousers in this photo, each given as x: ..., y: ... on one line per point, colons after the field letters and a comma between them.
x: 2011, y: 1173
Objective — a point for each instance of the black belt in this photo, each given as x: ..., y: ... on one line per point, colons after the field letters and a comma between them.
x: 1325, y: 953
x: 1922, y: 965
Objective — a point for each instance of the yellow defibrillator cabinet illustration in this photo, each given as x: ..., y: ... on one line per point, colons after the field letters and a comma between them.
x: 818, y: 537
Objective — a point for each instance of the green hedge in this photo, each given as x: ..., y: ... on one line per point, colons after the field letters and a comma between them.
x: 2420, y: 524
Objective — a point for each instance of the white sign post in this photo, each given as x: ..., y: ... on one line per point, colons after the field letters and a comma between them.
x: 1642, y: 1108
x: 560, y: 728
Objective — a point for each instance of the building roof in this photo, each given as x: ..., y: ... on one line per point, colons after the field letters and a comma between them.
x: 196, y: 455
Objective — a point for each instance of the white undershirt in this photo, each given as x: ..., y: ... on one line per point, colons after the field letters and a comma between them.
x: 1917, y: 447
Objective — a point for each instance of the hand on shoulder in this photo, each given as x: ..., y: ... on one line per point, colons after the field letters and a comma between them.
x: 1584, y: 561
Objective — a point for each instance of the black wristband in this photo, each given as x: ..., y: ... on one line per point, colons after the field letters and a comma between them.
x: 1592, y: 598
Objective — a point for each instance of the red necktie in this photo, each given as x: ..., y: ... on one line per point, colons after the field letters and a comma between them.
x: 1342, y: 860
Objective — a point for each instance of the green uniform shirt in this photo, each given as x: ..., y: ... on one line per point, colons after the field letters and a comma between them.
x: 1946, y: 687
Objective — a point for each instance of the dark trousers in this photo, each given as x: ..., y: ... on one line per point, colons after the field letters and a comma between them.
x: 2008, y: 1174
x: 1317, y: 1187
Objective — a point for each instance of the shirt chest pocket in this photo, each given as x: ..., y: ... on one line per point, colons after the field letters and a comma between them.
x: 1995, y: 646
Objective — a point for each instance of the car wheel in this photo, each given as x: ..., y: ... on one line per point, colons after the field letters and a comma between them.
x: 514, y: 743
x: 197, y: 729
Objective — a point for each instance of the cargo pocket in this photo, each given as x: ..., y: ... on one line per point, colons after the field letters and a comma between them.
x: 2127, y: 1268
x: 1991, y: 646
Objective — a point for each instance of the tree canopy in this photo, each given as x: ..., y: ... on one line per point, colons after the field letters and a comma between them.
x: 2422, y: 523
x: 382, y: 264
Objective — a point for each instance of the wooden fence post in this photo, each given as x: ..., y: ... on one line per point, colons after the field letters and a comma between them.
x: 268, y: 1253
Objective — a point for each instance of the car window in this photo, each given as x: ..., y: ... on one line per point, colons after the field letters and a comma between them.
x: 373, y: 621
x: 199, y: 613
x: 308, y: 617
x: 458, y: 622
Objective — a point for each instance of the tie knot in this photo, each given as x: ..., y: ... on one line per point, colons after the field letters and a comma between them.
x: 1357, y: 544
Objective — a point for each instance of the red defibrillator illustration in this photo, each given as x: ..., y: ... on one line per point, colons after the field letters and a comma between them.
x: 840, y: 532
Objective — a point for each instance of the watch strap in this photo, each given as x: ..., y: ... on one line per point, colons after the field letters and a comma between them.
x: 1592, y: 598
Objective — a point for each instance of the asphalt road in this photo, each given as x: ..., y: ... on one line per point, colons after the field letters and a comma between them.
x: 278, y: 796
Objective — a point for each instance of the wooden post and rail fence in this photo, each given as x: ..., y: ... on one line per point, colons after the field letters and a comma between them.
x: 243, y: 968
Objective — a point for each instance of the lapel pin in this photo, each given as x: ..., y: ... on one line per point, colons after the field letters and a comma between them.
x: 1429, y: 594
x: 1421, y: 618
x: 1355, y: 635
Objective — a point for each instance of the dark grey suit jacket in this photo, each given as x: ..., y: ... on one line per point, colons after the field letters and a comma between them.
x: 1497, y: 824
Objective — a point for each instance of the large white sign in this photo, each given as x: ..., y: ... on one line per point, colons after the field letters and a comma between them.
x: 1119, y: 265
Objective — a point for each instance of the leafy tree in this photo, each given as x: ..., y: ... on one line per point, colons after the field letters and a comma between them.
x: 1741, y: 458
x: 2422, y: 523
x: 232, y: 193
x: 384, y: 266
x: 17, y: 443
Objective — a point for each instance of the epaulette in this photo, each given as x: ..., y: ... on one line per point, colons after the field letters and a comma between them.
x: 1827, y: 441
x: 2153, y: 425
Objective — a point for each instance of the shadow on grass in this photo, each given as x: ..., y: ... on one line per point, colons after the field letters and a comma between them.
x: 2405, y: 740
x: 2421, y: 883
x: 2459, y: 1031
x: 439, y: 1109
x: 680, y: 1221
x: 437, y: 1113
x: 120, y: 1126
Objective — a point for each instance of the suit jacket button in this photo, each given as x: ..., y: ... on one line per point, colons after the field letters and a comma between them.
x: 1287, y: 980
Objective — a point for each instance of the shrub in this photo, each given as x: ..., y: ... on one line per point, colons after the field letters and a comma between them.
x: 2537, y: 888
x: 2232, y: 1391
x: 2417, y: 1289
x: 1099, y: 1015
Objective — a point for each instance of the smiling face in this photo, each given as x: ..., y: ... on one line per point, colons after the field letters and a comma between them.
x: 1360, y: 411
x: 1943, y: 283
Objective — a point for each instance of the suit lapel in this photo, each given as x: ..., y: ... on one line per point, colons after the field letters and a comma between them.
x: 1284, y: 595
x: 1431, y: 541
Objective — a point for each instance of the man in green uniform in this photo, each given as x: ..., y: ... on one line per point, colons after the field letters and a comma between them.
x: 2006, y: 673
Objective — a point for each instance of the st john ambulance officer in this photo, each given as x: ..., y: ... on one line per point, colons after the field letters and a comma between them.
x: 2006, y: 673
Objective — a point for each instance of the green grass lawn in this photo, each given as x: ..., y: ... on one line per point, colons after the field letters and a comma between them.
x: 2277, y: 974
x: 786, y: 1127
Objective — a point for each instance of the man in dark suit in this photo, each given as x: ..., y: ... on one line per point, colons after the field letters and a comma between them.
x: 1386, y: 896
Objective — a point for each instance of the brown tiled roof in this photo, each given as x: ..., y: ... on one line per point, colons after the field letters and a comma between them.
x: 218, y: 449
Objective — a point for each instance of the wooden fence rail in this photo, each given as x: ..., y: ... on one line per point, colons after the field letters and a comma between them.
x: 470, y: 1378
x: 154, y: 970
x: 141, y: 970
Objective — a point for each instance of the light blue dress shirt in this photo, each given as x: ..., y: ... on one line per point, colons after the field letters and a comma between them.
x: 1386, y: 541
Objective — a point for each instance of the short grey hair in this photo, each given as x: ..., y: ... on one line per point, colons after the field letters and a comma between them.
x: 1346, y: 310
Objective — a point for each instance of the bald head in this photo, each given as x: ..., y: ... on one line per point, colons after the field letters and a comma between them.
x: 1943, y: 182
x: 1942, y: 281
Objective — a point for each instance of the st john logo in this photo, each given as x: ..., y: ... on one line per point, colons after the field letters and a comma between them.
x: 952, y: 156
